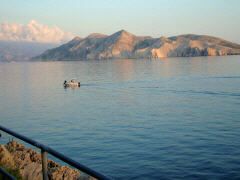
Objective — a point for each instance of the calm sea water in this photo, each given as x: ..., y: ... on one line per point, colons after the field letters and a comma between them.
x: 132, y: 119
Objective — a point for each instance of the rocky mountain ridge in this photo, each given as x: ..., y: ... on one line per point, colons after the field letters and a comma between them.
x: 123, y: 44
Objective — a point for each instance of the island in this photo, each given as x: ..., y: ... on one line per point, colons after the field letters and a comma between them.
x: 124, y: 45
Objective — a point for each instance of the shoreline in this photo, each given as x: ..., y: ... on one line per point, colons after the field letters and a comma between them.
x: 26, y: 163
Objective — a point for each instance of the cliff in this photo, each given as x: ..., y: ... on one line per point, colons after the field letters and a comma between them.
x: 123, y: 44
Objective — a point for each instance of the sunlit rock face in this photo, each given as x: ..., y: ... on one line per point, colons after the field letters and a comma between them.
x: 123, y: 44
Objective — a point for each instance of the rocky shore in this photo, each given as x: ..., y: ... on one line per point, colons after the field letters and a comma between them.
x: 26, y: 163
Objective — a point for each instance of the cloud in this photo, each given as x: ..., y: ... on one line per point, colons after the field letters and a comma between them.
x: 33, y: 32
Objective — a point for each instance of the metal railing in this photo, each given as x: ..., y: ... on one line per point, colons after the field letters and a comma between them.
x: 5, y: 175
x: 45, y: 150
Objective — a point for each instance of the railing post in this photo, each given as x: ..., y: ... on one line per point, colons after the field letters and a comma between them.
x: 45, y: 150
x: 44, y: 165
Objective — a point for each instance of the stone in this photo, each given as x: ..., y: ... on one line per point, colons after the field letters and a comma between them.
x: 14, y: 155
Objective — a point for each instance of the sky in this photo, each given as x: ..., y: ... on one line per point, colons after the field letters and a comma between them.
x: 156, y: 18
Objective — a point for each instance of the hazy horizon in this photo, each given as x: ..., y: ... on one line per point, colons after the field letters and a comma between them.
x: 61, y: 20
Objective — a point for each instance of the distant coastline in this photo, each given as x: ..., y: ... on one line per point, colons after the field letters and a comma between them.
x: 124, y: 45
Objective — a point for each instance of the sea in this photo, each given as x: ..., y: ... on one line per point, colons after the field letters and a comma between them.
x: 173, y: 118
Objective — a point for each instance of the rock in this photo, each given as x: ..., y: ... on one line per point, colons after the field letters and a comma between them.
x: 32, y: 171
x: 123, y: 44
x: 14, y: 155
x: 64, y: 173
x: 5, y: 157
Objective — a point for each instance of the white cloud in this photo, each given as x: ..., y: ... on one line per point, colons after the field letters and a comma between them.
x: 33, y: 32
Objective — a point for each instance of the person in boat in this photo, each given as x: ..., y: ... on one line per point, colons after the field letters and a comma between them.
x: 72, y: 83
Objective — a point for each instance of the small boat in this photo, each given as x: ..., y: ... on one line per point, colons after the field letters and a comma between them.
x: 72, y: 83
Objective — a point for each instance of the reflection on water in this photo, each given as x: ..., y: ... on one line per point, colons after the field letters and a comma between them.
x: 132, y: 119
x: 71, y: 87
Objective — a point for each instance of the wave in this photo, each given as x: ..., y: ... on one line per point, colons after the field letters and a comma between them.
x: 235, y: 94
x: 212, y: 93
x: 226, y: 77
x: 160, y: 88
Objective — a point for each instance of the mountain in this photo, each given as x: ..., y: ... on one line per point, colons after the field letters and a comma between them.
x: 123, y: 44
x: 21, y: 51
